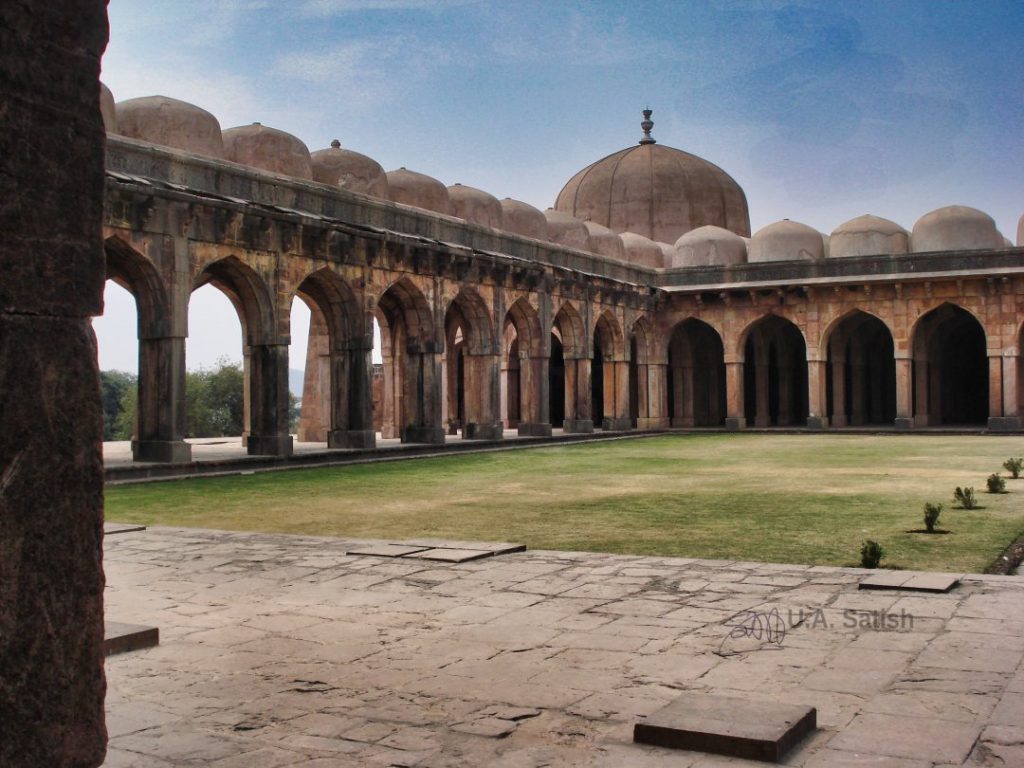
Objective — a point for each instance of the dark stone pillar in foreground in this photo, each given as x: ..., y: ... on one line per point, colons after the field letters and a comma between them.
x: 51, y: 474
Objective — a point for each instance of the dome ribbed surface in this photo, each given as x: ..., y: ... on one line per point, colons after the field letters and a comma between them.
x: 655, y: 191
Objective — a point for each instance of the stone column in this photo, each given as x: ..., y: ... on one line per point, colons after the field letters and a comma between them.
x: 577, y: 392
x: 995, y: 387
x: 734, y: 399
x: 160, y: 430
x: 816, y: 416
x: 533, y: 394
x: 657, y: 398
x: 1010, y: 419
x: 423, y: 395
x: 858, y: 382
x: 268, y: 387
x: 389, y: 419
x: 352, y: 397
x: 616, y: 395
x: 482, y: 398
x: 51, y: 471
x: 839, y: 416
x: 921, y: 392
x: 762, y: 408
x: 314, y: 417
x: 904, y: 393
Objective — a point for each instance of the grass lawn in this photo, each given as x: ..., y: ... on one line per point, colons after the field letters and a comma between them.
x: 776, y: 498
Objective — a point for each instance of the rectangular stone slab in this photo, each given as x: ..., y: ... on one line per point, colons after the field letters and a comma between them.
x: 453, y: 555
x: 496, y: 547
x: 727, y: 725
x: 121, y: 638
x: 386, y: 550
x: 109, y: 529
x: 914, y: 582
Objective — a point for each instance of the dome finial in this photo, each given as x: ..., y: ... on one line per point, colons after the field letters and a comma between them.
x: 336, y: 144
x: 647, y: 125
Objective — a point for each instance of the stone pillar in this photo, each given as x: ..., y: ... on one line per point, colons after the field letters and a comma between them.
x: 482, y: 400
x: 762, y: 409
x: 657, y: 397
x: 352, y: 397
x: 578, y: 392
x: 160, y: 426
x: 314, y: 417
x: 51, y: 471
x: 904, y: 393
x: 1010, y: 420
x: 735, y: 418
x: 786, y: 387
x: 389, y: 419
x: 858, y: 382
x: 839, y: 416
x: 616, y: 395
x: 268, y: 387
x: 534, y: 395
x: 816, y: 416
x: 422, y: 393
x: 921, y: 392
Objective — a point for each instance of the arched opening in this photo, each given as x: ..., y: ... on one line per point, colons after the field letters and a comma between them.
x: 950, y: 369
x: 336, y: 391
x: 556, y: 382
x: 570, y: 387
x: 609, y: 375
x: 412, y: 377
x: 696, y: 375
x: 262, y: 373
x: 646, y: 379
x: 525, y: 367
x: 775, y: 374
x: 860, y: 378
x: 470, y: 360
x: 142, y: 352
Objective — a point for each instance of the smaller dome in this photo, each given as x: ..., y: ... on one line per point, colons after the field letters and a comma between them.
x: 475, y: 206
x: 349, y: 170
x: 954, y: 228
x: 604, y: 242
x: 566, y: 230
x: 170, y: 123
x: 867, y: 236
x: 709, y: 246
x: 786, y: 241
x: 419, y: 190
x: 108, y: 110
x: 523, y: 219
x: 642, y: 250
x: 267, y: 148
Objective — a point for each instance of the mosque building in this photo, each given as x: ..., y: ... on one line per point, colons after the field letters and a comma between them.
x: 640, y: 300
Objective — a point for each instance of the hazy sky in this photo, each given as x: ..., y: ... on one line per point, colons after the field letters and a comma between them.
x: 821, y: 111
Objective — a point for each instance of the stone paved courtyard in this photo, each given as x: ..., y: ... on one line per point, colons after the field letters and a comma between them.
x: 282, y: 650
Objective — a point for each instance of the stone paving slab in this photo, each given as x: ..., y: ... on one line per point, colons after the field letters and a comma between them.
x: 121, y: 638
x: 912, y: 581
x: 281, y: 651
x: 452, y: 555
x: 727, y: 725
x: 386, y: 550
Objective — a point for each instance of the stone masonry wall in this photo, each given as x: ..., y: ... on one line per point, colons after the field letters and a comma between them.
x: 51, y: 494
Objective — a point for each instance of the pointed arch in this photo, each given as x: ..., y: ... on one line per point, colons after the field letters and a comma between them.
x: 139, y: 276
x: 774, y: 354
x: 327, y: 291
x: 608, y: 330
x: 696, y: 375
x: 525, y: 320
x: 403, y: 302
x: 860, y: 373
x: 571, y: 331
x: 950, y: 367
x: 479, y: 330
x: 247, y: 291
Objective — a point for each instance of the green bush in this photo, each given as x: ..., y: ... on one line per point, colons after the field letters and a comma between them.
x: 871, y: 554
x: 964, y: 498
x: 931, y: 516
x: 1014, y: 466
x: 996, y: 483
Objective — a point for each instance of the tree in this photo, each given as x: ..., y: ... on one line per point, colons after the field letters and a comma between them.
x: 215, y: 400
x: 116, y: 389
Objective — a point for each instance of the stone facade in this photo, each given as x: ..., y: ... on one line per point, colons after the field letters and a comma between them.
x: 51, y: 481
x: 484, y: 329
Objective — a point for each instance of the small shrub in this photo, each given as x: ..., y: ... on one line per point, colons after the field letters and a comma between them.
x: 964, y: 498
x: 931, y: 516
x: 996, y: 483
x: 1014, y: 466
x: 871, y: 554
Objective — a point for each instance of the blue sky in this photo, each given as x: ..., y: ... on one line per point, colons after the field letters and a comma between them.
x: 821, y: 111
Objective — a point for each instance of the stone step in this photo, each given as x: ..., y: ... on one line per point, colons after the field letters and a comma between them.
x: 121, y: 638
x: 727, y: 725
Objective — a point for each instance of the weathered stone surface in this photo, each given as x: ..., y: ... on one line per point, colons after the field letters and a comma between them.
x: 387, y: 550
x: 51, y: 577
x: 727, y: 725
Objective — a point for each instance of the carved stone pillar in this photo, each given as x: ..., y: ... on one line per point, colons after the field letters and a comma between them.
x: 816, y: 416
x: 268, y: 388
x: 578, y: 392
x: 160, y: 426
x: 351, y: 398
x: 904, y: 393
x: 735, y: 418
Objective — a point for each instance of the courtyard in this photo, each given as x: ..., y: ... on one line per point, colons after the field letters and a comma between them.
x: 807, y: 499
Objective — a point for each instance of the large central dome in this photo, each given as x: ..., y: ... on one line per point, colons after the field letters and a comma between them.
x: 655, y: 191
